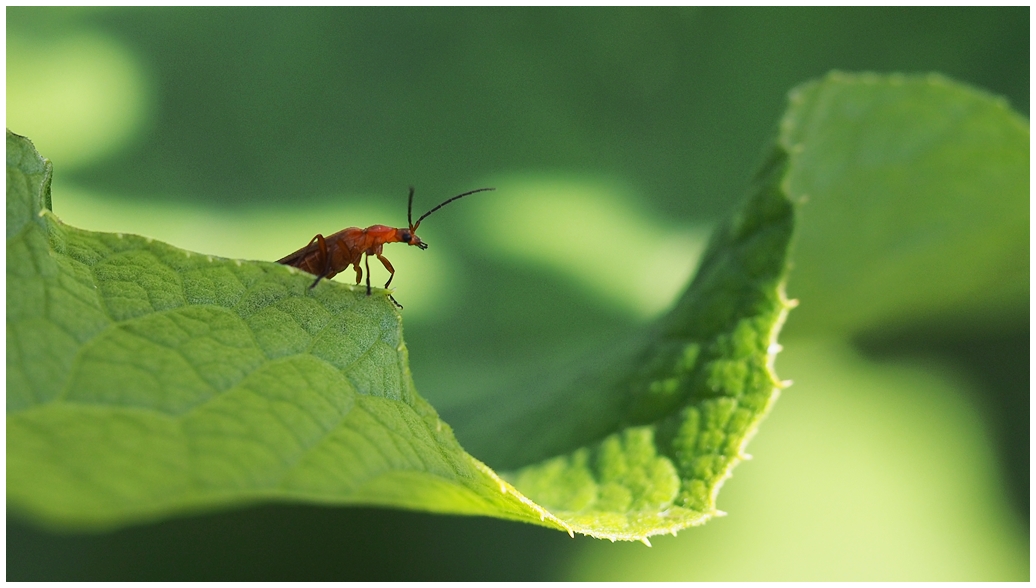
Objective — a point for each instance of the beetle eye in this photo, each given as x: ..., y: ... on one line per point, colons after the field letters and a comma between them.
x: 405, y: 237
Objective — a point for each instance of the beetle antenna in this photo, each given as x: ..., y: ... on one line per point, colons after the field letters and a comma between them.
x: 413, y: 227
x: 409, y: 208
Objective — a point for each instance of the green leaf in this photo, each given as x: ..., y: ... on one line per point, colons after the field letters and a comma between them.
x: 916, y: 192
x: 144, y: 380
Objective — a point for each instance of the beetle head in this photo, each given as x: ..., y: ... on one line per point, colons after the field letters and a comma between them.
x: 410, y: 238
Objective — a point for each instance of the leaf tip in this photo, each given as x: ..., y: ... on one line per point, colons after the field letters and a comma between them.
x: 645, y: 541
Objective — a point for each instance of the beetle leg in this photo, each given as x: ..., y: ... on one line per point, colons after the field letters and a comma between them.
x: 392, y: 274
x: 326, y: 263
x: 388, y: 266
x: 367, y: 264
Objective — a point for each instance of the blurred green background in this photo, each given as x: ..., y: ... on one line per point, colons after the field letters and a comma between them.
x: 615, y: 139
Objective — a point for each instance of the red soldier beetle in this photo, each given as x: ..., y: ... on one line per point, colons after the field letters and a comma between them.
x: 326, y: 257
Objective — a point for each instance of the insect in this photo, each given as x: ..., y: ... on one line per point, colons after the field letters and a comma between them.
x: 325, y: 257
